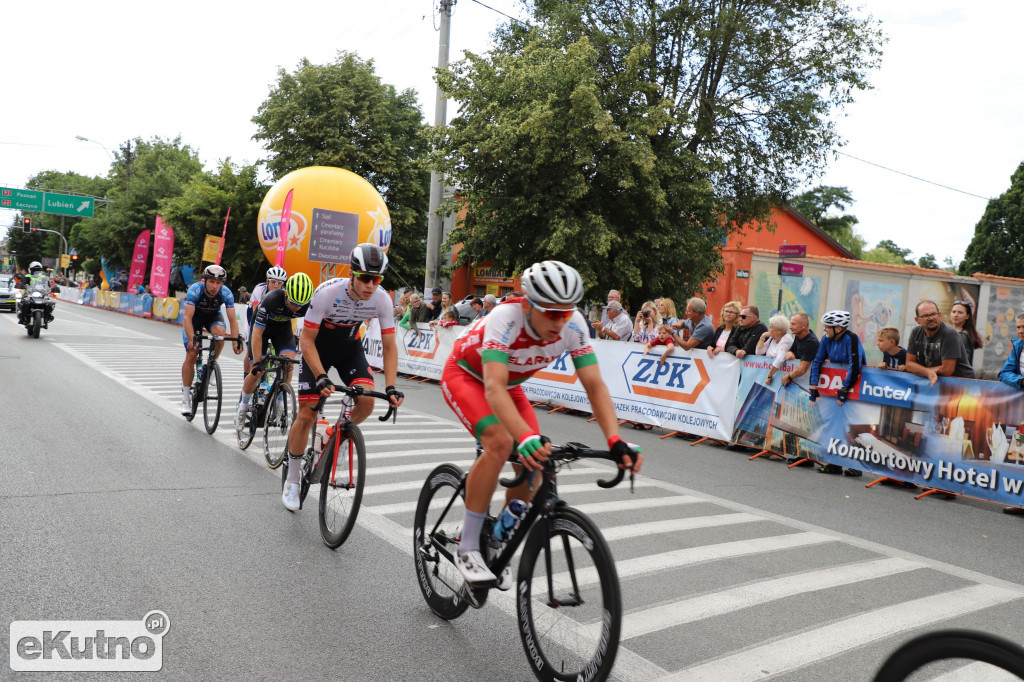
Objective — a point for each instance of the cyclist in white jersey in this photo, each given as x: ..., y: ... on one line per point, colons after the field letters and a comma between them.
x: 276, y: 277
x: 328, y: 340
x: 481, y: 383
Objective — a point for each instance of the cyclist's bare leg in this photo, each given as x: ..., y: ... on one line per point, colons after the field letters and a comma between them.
x: 362, y: 409
x: 483, y: 476
x: 298, y: 435
x: 188, y: 368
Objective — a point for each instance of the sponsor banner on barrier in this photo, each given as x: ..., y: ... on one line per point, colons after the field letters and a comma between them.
x: 373, y: 346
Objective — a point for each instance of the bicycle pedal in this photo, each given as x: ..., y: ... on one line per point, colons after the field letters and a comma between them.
x: 474, y: 596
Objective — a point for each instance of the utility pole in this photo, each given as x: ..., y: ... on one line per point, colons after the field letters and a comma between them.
x: 126, y: 150
x: 433, y: 275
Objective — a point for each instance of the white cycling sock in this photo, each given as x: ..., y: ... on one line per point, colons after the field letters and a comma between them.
x: 246, y: 397
x: 295, y: 468
x: 471, y: 525
x: 184, y: 390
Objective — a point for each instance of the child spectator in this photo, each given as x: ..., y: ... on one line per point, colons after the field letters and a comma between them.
x: 449, y: 318
x: 664, y: 338
x: 894, y: 356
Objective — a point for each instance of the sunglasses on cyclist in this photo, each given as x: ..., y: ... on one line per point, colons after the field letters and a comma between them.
x: 368, y: 278
x: 555, y: 314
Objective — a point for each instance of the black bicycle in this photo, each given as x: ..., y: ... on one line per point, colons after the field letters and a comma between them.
x: 271, y: 409
x: 570, y: 624
x: 339, y: 467
x: 944, y: 645
x: 207, y: 386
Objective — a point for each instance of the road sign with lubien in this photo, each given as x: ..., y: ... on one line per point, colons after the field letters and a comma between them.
x: 67, y: 204
x: 21, y: 199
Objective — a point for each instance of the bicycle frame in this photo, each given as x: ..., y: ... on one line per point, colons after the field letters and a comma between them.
x: 343, y: 423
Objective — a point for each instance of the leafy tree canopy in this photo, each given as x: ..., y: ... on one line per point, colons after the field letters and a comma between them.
x: 998, y: 244
x: 628, y: 138
x: 342, y: 115
x: 887, y: 251
x: 817, y: 205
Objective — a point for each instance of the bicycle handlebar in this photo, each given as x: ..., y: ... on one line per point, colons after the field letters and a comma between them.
x: 570, y: 452
x: 358, y: 390
x: 261, y: 366
x: 198, y: 337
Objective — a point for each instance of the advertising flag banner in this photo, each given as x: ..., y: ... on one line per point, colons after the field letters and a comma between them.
x: 139, y: 259
x: 223, y: 236
x: 211, y: 247
x: 163, y: 248
x: 286, y: 221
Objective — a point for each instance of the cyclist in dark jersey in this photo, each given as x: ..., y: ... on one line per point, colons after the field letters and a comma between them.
x: 202, y: 311
x: 276, y: 277
x: 329, y: 339
x: 272, y: 323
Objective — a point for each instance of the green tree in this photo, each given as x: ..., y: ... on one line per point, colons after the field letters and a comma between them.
x: 887, y: 251
x: 628, y: 138
x: 200, y: 210
x: 998, y: 244
x: 342, y: 115
x: 817, y: 205
x: 928, y: 261
x: 158, y: 170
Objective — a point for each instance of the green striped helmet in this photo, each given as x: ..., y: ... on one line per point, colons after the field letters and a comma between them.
x: 299, y: 288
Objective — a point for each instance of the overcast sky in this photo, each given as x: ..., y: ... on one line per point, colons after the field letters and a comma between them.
x: 947, y: 105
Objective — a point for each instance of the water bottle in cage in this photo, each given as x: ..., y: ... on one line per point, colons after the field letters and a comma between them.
x: 261, y: 395
x: 323, y: 429
x: 509, y: 520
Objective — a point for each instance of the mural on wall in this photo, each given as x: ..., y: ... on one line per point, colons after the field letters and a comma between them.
x: 944, y: 293
x: 873, y: 305
x: 799, y: 294
x: 999, y: 330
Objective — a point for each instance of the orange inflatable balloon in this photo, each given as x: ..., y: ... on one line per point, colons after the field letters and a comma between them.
x: 333, y: 210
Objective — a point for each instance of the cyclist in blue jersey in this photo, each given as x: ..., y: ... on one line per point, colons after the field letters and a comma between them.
x: 202, y: 311
x: 838, y: 345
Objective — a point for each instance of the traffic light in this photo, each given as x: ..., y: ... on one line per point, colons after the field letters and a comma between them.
x: 26, y: 225
x: 74, y: 256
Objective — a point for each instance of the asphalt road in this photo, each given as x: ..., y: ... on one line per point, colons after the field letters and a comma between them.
x: 111, y: 506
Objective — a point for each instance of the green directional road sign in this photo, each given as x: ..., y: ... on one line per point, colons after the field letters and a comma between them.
x: 21, y: 199
x: 67, y: 204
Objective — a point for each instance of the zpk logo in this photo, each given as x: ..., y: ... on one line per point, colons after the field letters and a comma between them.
x: 680, y: 379
x: 421, y: 344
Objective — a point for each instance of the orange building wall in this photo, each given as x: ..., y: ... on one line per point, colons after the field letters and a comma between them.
x: 737, y: 255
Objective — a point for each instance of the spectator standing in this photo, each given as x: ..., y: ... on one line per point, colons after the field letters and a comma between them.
x: 750, y: 330
x: 696, y: 327
x: 446, y: 302
x: 402, y: 305
x: 961, y: 316
x: 730, y: 323
x: 667, y: 309
x: 434, y: 306
x: 417, y: 312
x: 478, y: 307
x: 490, y: 300
x: 243, y: 295
x: 894, y: 356
x: 803, y: 351
x: 775, y: 343
x: 618, y: 327
x: 1012, y: 372
x: 645, y: 329
x: 935, y: 348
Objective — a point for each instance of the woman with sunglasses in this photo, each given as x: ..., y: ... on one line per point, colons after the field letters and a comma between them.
x: 329, y: 339
x: 481, y: 383
x: 962, y: 319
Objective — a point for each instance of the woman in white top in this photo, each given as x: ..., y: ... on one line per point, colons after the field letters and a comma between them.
x: 775, y: 343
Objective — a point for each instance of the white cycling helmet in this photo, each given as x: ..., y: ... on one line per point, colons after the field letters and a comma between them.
x: 35, y: 265
x: 836, y: 318
x: 215, y: 272
x: 277, y: 273
x: 552, y: 282
x: 369, y: 258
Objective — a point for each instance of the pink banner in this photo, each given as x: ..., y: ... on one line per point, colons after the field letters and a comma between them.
x: 139, y: 258
x: 286, y: 221
x: 163, y: 247
x: 223, y: 236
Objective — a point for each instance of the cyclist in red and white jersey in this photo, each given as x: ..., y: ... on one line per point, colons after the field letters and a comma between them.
x: 328, y: 340
x: 481, y: 384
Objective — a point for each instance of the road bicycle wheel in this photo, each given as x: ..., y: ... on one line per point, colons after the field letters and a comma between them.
x: 211, y: 404
x: 277, y: 424
x: 341, y: 486
x: 951, y: 644
x: 569, y: 604
x: 440, y: 582
x: 248, y: 431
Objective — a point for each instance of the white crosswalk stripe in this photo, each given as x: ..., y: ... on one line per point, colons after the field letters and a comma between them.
x: 661, y: 530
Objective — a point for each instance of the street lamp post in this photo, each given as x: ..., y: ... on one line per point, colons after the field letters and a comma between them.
x: 87, y: 139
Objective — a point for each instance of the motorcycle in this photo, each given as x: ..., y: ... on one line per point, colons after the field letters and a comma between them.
x: 35, y: 311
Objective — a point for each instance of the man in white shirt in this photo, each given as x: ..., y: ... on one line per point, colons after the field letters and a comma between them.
x: 618, y: 327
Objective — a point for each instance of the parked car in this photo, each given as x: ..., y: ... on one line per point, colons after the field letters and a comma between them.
x: 8, y: 294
